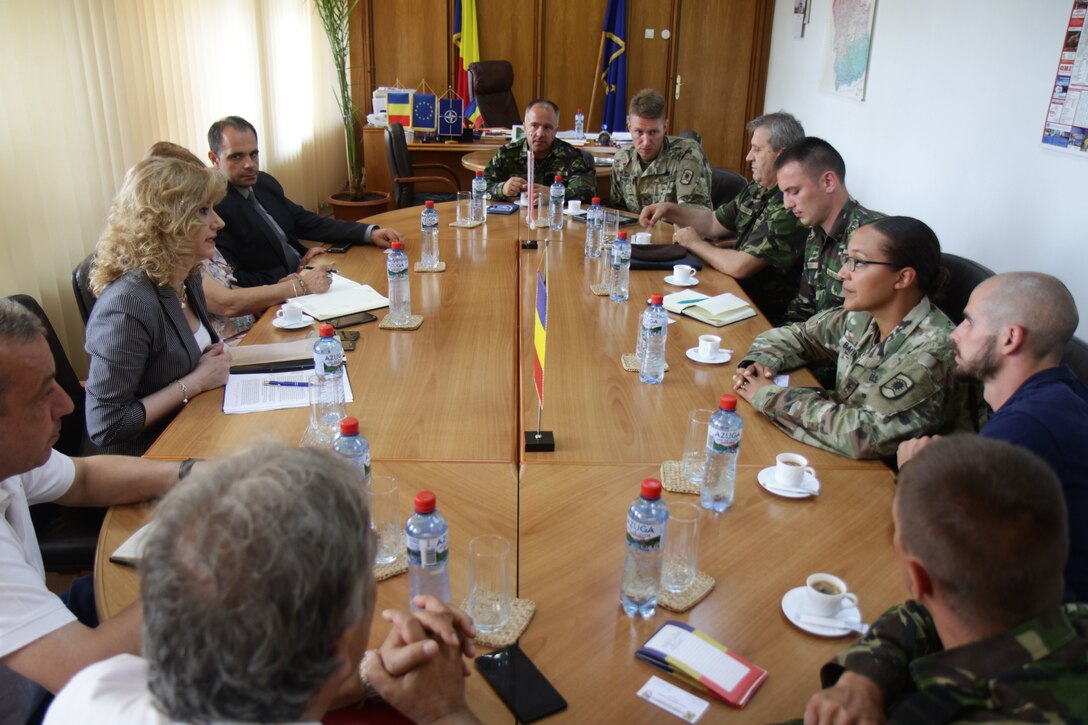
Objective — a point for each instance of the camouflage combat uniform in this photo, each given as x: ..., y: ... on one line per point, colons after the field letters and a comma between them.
x: 512, y: 159
x: 821, y: 286
x: 768, y: 231
x: 1035, y: 672
x: 885, y: 393
x: 679, y: 174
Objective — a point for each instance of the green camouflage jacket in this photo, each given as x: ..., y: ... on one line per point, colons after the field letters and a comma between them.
x: 769, y: 231
x: 1036, y: 672
x: 821, y: 286
x: 512, y: 160
x: 679, y: 174
x: 885, y: 392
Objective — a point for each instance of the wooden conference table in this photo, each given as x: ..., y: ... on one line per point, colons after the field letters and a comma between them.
x: 444, y: 408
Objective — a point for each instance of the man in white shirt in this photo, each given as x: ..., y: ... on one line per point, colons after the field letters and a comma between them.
x: 41, y: 643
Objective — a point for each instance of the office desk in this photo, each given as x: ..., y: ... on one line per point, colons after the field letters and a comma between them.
x: 448, y: 155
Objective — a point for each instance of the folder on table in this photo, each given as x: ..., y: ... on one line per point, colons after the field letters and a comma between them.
x: 344, y: 297
x: 725, y: 309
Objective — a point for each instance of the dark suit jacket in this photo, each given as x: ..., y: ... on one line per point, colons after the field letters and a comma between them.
x: 251, y: 246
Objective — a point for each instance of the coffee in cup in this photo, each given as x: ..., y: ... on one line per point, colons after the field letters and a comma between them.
x: 290, y: 313
x: 682, y: 272
x: 826, y: 594
x: 709, y: 346
x: 790, y: 469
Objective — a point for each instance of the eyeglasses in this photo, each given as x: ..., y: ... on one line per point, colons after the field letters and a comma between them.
x: 852, y: 263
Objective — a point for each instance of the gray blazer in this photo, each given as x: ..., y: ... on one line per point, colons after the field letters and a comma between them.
x: 139, y: 342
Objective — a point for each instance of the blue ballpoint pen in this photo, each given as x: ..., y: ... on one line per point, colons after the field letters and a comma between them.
x: 286, y: 383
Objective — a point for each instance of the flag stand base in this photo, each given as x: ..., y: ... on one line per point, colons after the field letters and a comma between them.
x: 539, y: 441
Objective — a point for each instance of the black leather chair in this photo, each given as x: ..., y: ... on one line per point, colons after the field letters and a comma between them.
x: 67, y: 536
x: 963, y: 276
x: 492, y: 83
x: 692, y: 134
x: 1076, y: 357
x: 81, y: 285
x: 404, y: 173
x: 724, y: 186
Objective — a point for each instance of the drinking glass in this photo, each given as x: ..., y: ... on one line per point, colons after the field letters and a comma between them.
x: 464, y: 207
x: 693, y: 461
x: 681, y: 547
x: 611, y: 225
x: 489, y: 582
x: 385, y: 518
x: 326, y: 408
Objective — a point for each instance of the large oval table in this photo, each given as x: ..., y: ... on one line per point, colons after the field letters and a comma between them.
x: 445, y: 408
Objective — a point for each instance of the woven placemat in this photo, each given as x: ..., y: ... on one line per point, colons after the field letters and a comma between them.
x: 466, y: 225
x: 521, y: 611
x: 393, y: 568
x: 600, y: 290
x: 688, y: 598
x: 672, y: 478
x: 420, y: 268
x: 630, y: 362
x: 413, y: 323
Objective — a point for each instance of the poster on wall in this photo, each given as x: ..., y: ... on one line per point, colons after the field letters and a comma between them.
x: 1066, y: 126
x: 846, y: 67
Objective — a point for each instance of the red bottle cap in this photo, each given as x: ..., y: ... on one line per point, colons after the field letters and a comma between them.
x: 656, y: 299
x: 430, y: 204
x: 396, y: 246
x: 326, y: 330
x: 651, y: 489
x: 728, y: 402
x: 596, y: 200
x: 579, y: 110
x: 479, y: 172
x: 621, y: 235
x: 349, y: 426
x: 558, y: 177
x: 424, y: 502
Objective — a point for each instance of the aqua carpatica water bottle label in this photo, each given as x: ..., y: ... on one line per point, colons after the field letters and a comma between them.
x: 428, y: 552
x: 647, y: 537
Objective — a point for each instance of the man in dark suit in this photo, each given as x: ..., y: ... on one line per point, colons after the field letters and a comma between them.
x: 263, y: 227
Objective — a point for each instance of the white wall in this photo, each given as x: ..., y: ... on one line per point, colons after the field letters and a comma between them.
x: 949, y: 131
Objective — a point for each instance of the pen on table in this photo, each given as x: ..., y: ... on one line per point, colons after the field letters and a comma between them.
x: 287, y: 383
x: 327, y: 271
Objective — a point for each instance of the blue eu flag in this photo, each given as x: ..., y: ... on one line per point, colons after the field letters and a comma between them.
x: 451, y: 116
x: 614, y: 70
x: 423, y: 111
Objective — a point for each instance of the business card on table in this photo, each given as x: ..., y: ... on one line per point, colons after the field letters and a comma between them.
x: 671, y: 698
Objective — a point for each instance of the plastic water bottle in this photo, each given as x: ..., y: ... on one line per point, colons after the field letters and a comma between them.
x: 647, y: 520
x: 429, y: 224
x: 479, y: 197
x: 652, y: 334
x: 328, y: 353
x: 400, y: 296
x: 722, y: 449
x: 428, y: 538
x: 619, y: 282
x: 594, y: 229
x: 556, y: 201
x: 579, y: 125
x: 354, y: 447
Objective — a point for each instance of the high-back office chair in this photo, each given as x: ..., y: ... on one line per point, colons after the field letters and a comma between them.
x: 492, y: 82
x: 67, y: 536
x: 404, y: 173
x: 692, y: 134
x: 1076, y: 357
x: 724, y: 186
x: 963, y: 276
x: 81, y: 285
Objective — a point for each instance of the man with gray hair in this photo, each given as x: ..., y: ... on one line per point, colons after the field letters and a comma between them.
x: 43, y: 643
x: 258, y: 594
x: 1015, y: 328
x: 763, y: 241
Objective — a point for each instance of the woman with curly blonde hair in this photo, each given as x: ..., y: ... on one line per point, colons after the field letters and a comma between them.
x: 150, y: 342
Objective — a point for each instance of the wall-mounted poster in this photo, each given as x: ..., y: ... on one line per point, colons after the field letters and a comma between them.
x: 1066, y: 126
x: 847, y: 64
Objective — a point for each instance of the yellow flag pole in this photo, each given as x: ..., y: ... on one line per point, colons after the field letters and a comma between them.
x: 596, y: 72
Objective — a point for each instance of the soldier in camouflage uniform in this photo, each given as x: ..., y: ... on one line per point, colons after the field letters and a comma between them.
x: 765, y: 241
x: 890, y: 346
x: 505, y: 173
x: 986, y: 637
x: 679, y: 173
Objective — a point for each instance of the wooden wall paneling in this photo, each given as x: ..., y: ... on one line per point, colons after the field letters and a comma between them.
x: 507, y: 30
x: 647, y: 59
x: 411, y: 43
x: 570, y: 38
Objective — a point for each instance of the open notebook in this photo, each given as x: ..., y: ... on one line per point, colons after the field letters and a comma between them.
x: 725, y: 309
x: 344, y: 297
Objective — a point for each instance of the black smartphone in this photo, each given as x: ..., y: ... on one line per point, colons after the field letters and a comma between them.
x: 356, y: 318
x: 340, y: 249
x: 520, y: 684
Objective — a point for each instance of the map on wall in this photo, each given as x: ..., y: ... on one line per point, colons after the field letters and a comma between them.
x: 847, y: 65
x: 1066, y: 126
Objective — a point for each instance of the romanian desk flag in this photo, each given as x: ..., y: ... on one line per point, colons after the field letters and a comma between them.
x: 540, y: 332
x: 614, y: 70
x: 399, y: 107
x: 467, y: 42
x: 423, y: 111
x: 473, y: 117
x: 451, y: 116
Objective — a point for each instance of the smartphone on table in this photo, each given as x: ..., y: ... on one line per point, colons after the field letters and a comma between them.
x: 520, y: 684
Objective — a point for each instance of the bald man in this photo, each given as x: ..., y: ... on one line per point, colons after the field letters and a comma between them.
x: 1014, y: 330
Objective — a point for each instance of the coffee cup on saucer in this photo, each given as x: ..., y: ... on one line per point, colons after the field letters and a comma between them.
x: 682, y: 273
x: 642, y: 238
x: 826, y: 595
x: 790, y: 469
x: 574, y: 206
x: 709, y: 346
x: 290, y: 313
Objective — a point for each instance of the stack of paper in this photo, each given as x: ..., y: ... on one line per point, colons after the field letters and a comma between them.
x: 719, y: 311
x: 344, y: 297
x: 252, y: 393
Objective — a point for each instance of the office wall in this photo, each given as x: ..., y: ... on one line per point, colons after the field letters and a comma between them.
x: 950, y: 128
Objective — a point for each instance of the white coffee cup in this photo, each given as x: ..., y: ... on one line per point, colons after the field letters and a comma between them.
x: 826, y: 594
x: 642, y: 238
x: 290, y: 312
x: 709, y: 346
x: 574, y: 206
x: 682, y: 272
x: 790, y: 469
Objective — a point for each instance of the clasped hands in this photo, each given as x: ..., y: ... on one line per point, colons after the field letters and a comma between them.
x: 513, y: 187
x: 748, y: 381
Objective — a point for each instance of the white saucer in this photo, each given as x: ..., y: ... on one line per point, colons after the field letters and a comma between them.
x: 692, y: 281
x: 306, y: 321
x: 723, y: 356
x: 793, y: 603
x: 770, y: 485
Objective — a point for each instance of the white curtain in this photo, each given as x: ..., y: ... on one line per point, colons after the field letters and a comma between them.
x: 87, y: 85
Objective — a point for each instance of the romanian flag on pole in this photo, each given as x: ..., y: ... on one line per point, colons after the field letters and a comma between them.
x: 473, y: 117
x: 540, y: 329
x: 399, y: 107
x: 467, y: 42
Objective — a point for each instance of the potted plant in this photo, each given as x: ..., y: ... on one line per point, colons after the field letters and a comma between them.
x: 355, y: 202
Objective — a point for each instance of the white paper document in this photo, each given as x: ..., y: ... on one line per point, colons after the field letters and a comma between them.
x: 132, y: 551
x: 344, y: 297
x: 252, y: 394
x: 671, y: 698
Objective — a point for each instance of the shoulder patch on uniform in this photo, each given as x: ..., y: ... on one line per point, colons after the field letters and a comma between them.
x: 685, y: 178
x: 897, y: 387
